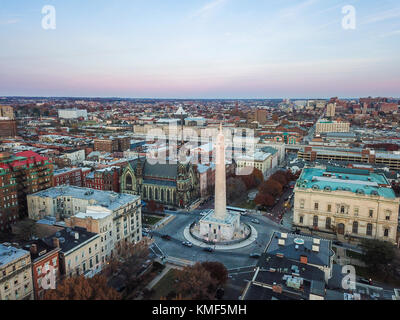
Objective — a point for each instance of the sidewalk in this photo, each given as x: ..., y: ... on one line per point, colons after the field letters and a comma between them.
x: 159, y: 277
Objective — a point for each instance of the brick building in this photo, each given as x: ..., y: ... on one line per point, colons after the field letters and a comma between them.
x: 21, y: 174
x: 113, y: 144
x: 106, y: 179
x: 68, y: 176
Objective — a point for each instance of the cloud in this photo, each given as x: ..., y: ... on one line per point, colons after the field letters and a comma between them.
x: 9, y: 21
x: 383, y: 16
x: 389, y: 34
x: 208, y: 8
x: 296, y: 9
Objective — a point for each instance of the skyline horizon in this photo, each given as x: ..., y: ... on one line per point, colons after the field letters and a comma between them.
x: 210, y: 49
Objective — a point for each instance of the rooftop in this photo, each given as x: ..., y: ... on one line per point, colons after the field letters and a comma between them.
x: 108, y: 199
x: 346, y: 179
x: 293, y: 247
x: 70, y: 238
x: 9, y: 254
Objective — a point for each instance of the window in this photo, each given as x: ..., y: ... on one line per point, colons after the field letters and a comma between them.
x: 342, y: 209
x: 302, y: 204
x: 371, y: 213
x: 369, y: 229
x: 315, y: 221
x: 328, y: 223
x: 386, y: 232
x: 316, y: 206
x: 329, y: 208
x: 387, y: 215
x: 355, y: 227
x: 356, y: 211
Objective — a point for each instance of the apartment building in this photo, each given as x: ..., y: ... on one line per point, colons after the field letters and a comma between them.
x: 20, y: 174
x: 79, y: 251
x: 324, y: 126
x: 351, y: 203
x: 15, y: 273
x: 97, y: 220
x: 66, y: 201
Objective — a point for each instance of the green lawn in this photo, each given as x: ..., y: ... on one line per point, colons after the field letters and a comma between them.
x: 150, y: 220
x: 164, y: 286
x: 247, y: 205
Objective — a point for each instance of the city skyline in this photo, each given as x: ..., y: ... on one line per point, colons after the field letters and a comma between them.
x: 221, y: 49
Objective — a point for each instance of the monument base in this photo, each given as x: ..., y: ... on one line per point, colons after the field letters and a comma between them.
x: 215, y: 229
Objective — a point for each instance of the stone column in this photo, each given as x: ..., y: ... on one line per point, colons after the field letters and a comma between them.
x: 220, y: 177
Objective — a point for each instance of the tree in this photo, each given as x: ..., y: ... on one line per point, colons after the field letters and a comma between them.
x: 280, y: 177
x: 235, y: 189
x: 254, y: 179
x: 80, y: 288
x: 377, y: 254
x: 264, y: 199
x: 217, y: 271
x: 195, y: 283
x: 152, y: 206
x: 272, y: 187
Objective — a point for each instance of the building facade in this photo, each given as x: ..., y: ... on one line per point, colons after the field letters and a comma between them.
x: 66, y: 201
x: 169, y: 184
x: 352, y: 203
x: 15, y: 273
x: 324, y: 126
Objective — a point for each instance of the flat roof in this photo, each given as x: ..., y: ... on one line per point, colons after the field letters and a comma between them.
x: 107, y: 199
x: 352, y: 180
x: 9, y: 254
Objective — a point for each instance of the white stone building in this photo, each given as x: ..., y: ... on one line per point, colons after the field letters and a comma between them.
x: 348, y: 202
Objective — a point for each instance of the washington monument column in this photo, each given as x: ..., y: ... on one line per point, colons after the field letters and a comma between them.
x: 220, y: 177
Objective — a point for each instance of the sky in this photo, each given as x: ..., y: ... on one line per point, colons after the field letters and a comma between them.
x: 200, y: 49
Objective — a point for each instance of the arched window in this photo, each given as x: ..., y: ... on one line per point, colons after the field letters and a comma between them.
x: 301, y: 220
x: 328, y: 223
x: 355, y: 227
x: 369, y: 229
x: 144, y: 192
x: 150, y: 193
x: 128, y: 182
x: 168, y: 196
x: 156, y: 194
x: 162, y: 195
x: 315, y: 221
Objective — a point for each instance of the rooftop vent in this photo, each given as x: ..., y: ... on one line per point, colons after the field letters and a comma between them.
x: 281, y: 242
x: 284, y: 235
x: 317, y: 241
x: 315, y: 248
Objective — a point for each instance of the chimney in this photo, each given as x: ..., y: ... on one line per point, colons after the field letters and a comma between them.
x: 33, y: 249
x: 56, y: 242
x: 277, y: 288
x: 303, y: 259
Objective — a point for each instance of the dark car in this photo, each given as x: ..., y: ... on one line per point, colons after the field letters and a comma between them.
x: 337, y: 243
x: 208, y: 249
x: 166, y: 237
x: 255, y: 255
x: 366, y: 281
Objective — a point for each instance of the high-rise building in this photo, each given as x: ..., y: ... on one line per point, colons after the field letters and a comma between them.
x: 8, y: 125
x: 21, y: 174
x: 331, y: 110
x: 7, y: 112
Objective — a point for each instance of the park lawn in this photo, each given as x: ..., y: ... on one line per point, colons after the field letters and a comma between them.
x: 164, y: 286
x: 247, y: 205
x: 150, y: 220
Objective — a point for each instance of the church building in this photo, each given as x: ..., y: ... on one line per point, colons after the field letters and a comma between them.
x: 171, y: 184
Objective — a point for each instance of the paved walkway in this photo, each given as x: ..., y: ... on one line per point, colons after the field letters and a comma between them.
x: 159, y: 277
x: 242, y: 244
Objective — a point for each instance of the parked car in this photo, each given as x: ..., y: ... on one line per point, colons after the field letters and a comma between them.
x: 337, y: 243
x: 255, y: 221
x: 366, y: 281
x: 255, y: 255
x: 208, y: 249
x: 187, y: 244
x: 166, y: 237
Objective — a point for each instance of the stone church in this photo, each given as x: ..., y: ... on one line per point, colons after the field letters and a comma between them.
x: 175, y: 185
